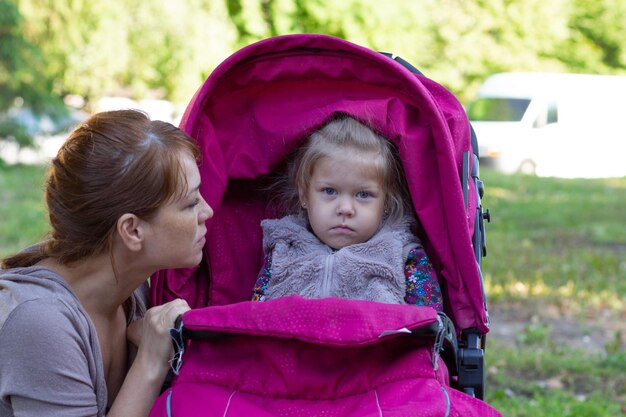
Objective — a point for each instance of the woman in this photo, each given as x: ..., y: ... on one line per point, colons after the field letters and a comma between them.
x: 123, y: 199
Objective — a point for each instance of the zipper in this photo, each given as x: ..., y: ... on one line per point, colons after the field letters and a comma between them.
x: 327, y: 276
x: 447, y: 396
x: 438, y: 345
x: 168, y: 404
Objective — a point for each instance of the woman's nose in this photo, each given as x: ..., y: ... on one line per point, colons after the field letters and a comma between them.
x: 206, y: 212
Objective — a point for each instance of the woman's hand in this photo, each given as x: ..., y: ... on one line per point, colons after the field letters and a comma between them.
x: 147, y: 373
x: 151, y: 334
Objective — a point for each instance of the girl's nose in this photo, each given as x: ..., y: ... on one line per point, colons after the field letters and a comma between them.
x: 345, y: 207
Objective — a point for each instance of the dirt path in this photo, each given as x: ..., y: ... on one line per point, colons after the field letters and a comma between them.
x: 592, y: 331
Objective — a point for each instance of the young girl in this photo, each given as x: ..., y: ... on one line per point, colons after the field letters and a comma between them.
x: 349, y: 234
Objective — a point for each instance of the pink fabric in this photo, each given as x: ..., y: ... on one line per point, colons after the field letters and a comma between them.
x: 256, y: 108
x: 328, y: 322
x: 296, y: 357
x: 408, y: 398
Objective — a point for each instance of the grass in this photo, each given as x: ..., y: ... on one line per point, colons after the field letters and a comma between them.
x: 556, y: 239
x: 23, y: 218
x: 553, y: 380
x: 554, y: 245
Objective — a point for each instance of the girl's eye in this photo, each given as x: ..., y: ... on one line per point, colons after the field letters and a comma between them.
x: 329, y: 191
x: 362, y: 194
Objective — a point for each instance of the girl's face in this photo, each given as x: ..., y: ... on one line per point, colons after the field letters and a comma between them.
x: 344, y: 200
x: 177, y: 233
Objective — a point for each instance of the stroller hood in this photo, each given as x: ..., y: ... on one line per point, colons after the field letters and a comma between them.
x: 262, y: 102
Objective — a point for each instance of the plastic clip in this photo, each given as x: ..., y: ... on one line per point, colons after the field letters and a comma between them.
x: 176, y: 333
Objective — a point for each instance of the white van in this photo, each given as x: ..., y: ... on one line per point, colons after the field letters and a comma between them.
x: 552, y: 124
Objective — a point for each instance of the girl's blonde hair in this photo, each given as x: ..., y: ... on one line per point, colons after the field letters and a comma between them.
x: 346, y: 136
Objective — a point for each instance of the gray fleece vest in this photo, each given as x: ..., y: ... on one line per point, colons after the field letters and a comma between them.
x: 303, y: 265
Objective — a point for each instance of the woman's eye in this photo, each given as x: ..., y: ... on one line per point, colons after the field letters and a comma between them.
x: 362, y: 194
x: 329, y: 191
x: 194, y: 203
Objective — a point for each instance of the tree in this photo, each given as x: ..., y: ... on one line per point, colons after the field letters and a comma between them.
x: 456, y: 42
x: 157, y: 49
x: 24, y: 83
x: 596, y: 37
x: 165, y: 49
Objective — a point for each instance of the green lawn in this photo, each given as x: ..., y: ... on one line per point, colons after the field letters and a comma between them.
x: 556, y: 257
x: 556, y: 260
x: 556, y: 237
x: 23, y: 218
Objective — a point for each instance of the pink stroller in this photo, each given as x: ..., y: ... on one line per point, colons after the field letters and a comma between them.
x: 328, y: 357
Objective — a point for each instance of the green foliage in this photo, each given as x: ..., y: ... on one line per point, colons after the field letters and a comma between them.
x: 12, y: 129
x: 156, y: 49
x: 596, y: 43
x: 165, y: 49
x: 473, y: 39
x: 24, y: 81
x: 457, y: 43
x: 16, y: 53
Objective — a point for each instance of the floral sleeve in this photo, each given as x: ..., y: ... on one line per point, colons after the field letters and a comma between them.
x: 422, y: 287
x: 263, y: 279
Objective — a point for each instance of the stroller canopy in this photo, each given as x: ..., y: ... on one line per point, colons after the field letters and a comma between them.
x: 258, y: 106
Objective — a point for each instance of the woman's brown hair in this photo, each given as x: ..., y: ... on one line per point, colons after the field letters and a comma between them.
x: 115, y: 162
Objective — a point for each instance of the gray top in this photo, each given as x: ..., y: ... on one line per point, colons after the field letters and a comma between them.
x: 50, y: 359
x: 371, y: 270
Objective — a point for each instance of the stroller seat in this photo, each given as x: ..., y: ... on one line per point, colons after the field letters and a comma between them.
x: 330, y: 357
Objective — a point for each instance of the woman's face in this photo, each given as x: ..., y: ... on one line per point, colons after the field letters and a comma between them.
x: 177, y: 233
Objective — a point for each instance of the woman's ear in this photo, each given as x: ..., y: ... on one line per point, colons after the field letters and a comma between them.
x: 130, y: 230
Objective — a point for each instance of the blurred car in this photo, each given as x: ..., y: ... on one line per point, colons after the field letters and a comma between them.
x: 551, y: 124
x: 29, y: 137
x: 35, y: 124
